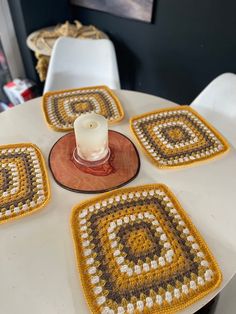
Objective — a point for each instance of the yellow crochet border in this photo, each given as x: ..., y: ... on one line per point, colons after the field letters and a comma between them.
x: 43, y: 165
x: 81, y: 265
x: 186, y: 163
x: 113, y: 95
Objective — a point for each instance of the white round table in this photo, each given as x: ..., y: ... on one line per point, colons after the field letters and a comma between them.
x: 37, y: 263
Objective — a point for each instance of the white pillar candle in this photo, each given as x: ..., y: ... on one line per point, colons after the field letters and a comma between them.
x: 91, y: 133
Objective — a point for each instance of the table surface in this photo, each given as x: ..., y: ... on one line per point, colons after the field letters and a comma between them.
x: 37, y: 265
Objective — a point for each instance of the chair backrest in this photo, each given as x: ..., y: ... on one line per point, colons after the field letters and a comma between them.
x: 82, y: 62
x: 219, y: 95
x: 217, y: 103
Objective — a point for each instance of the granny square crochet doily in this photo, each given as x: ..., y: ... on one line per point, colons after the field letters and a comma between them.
x: 61, y: 108
x: 24, y: 186
x: 138, y: 252
x: 177, y: 136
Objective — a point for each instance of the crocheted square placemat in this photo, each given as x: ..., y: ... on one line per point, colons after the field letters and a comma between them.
x: 61, y: 108
x: 177, y: 136
x: 24, y: 185
x: 138, y: 251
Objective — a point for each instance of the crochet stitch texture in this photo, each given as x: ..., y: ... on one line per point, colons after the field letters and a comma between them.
x: 138, y: 252
x: 24, y: 185
x: 177, y: 136
x: 61, y: 108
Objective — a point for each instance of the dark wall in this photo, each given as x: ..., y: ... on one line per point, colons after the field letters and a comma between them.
x: 31, y: 15
x: 189, y: 43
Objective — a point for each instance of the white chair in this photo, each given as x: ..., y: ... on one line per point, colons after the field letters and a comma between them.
x: 217, y: 103
x: 82, y: 62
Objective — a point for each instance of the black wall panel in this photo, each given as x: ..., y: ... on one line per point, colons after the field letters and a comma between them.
x: 31, y: 15
x: 188, y: 44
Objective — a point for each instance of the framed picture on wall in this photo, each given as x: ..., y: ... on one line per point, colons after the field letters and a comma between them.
x: 134, y: 9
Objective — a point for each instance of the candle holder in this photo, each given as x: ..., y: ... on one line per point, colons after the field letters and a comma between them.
x: 90, y: 163
x: 120, y: 166
x: 91, y: 134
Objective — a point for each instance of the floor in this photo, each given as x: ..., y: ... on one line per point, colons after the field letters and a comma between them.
x: 227, y: 300
x: 224, y: 303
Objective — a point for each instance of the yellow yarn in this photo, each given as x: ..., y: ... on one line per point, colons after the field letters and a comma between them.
x: 177, y: 136
x: 61, y: 108
x: 24, y: 184
x: 137, y: 250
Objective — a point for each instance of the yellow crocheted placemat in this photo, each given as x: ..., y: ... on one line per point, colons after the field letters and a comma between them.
x: 138, y: 252
x: 177, y: 136
x: 61, y: 108
x: 24, y: 185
